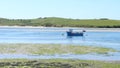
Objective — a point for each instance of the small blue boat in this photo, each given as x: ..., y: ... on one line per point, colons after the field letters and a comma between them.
x: 71, y: 33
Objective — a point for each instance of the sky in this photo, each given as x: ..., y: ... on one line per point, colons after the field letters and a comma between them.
x: 76, y: 9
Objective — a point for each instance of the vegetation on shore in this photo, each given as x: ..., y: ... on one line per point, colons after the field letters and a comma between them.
x: 50, y: 49
x: 57, y: 63
x: 41, y: 49
x: 61, y: 22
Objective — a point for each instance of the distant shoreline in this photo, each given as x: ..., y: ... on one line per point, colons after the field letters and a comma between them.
x: 67, y: 28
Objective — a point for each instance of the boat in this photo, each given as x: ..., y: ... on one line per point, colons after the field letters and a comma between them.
x: 71, y: 33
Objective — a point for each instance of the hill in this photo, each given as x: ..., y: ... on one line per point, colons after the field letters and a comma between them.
x: 61, y: 22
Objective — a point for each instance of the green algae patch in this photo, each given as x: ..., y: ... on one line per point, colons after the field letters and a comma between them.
x: 57, y: 63
x: 51, y: 49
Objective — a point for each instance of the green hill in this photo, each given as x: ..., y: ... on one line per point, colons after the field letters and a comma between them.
x: 61, y: 22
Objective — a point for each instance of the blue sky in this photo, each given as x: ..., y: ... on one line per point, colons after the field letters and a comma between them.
x: 77, y: 9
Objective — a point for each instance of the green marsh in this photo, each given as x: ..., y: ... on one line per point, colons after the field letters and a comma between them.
x: 57, y: 63
x: 50, y: 49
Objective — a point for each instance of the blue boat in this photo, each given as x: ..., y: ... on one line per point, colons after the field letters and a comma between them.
x: 71, y: 33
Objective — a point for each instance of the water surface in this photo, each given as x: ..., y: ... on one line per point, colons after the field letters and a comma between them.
x: 58, y: 36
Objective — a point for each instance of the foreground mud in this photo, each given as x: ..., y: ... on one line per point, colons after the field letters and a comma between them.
x: 38, y: 64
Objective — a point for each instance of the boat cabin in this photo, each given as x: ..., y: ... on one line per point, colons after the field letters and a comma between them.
x: 71, y: 33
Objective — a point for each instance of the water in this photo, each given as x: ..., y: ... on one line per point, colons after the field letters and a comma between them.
x: 63, y: 56
x: 58, y: 36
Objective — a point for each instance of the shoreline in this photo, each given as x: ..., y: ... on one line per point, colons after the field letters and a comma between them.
x: 67, y: 28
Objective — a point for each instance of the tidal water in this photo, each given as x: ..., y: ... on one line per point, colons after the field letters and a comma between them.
x: 58, y: 36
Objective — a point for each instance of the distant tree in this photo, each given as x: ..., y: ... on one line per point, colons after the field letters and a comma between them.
x: 40, y: 18
x: 104, y: 19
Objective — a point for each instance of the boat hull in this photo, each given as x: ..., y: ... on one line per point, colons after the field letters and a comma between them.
x: 74, y: 34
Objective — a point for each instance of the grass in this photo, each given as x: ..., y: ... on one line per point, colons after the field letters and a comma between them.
x: 57, y: 63
x: 41, y: 49
x: 62, y: 22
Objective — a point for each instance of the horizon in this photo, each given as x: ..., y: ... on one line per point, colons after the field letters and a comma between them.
x: 59, y: 17
x: 83, y: 9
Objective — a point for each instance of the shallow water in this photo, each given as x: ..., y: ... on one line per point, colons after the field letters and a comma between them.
x: 58, y: 36
x: 111, y: 57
